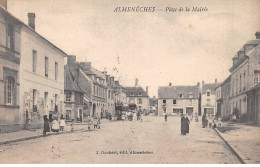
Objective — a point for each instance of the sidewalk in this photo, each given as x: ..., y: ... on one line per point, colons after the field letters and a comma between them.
x: 244, y: 140
x: 6, y: 138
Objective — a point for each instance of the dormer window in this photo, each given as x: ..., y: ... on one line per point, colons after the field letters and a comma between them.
x: 180, y: 95
x: 208, y: 93
x: 132, y: 94
x: 139, y: 94
x: 190, y: 95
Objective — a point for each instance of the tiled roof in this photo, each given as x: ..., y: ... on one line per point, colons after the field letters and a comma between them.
x: 69, y: 81
x: 210, y: 87
x: 173, y: 92
x: 136, y: 91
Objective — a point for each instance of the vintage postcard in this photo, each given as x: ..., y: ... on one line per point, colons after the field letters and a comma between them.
x: 129, y: 82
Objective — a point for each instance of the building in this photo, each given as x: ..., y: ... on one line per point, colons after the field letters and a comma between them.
x: 253, y: 101
x: 137, y: 95
x: 222, y: 99
x: 10, y: 57
x: 120, y: 94
x: 175, y: 100
x: 208, y: 97
x: 244, y: 76
x: 41, y: 76
x: 76, y: 102
x: 93, y: 82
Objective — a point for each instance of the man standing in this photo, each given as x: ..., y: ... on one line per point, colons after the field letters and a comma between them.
x: 183, y: 125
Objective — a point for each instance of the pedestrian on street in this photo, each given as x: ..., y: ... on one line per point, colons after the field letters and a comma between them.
x: 165, y: 117
x: 210, y: 121
x: 196, y: 117
x: 55, y: 126
x: 72, y: 125
x: 46, y: 127
x: 62, y: 123
x: 183, y: 125
x: 204, y: 121
x: 187, y: 124
x: 99, y: 122
x: 95, y: 123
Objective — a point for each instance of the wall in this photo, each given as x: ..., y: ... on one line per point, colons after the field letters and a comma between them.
x: 37, y: 80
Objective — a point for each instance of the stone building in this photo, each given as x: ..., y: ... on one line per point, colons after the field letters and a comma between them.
x: 41, y: 76
x: 175, y: 100
x: 222, y: 99
x: 208, y: 97
x: 10, y: 56
x: 76, y: 102
x: 244, y: 76
x: 137, y: 95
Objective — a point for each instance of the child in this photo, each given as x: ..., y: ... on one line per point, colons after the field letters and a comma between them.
x: 89, y: 122
x: 62, y: 124
x: 219, y: 122
x: 72, y: 125
x: 210, y: 121
x: 95, y: 123
x: 99, y: 122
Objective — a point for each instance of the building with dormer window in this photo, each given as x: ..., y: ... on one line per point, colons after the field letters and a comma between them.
x: 175, y: 100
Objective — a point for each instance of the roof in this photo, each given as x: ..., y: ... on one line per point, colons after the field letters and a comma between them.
x: 69, y: 81
x: 25, y: 25
x: 136, y: 91
x: 226, y: 80
x: 173, y: 92
x: 240, y: 61
x: 210, y: 87
x: 253, y: 42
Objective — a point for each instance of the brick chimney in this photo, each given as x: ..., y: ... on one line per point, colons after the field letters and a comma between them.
x: 31, y: 20
x: 71, y: 59
x: 136, y: 82
x: 257, y: 35
x: 3, y: 3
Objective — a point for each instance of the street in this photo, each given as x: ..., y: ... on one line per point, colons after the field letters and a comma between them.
x: 160, y: 140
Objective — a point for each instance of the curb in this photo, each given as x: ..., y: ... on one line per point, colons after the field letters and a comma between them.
x: 239, y: 155
x: 35, y: 137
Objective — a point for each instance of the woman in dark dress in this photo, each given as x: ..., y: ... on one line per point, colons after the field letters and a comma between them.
x: 183, y: 125
x: 46, y: 127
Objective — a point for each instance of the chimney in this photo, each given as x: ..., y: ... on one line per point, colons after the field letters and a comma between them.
x: 198, y: 84
x: 153, y: 97
x: 136, y: 82
x: 117, y: 83
x: 235, y: 60
x: 108, y: 79
x: 3, y: 3
x: 31, y: 20
x: 257, y: 35
x: 71, y: 59
x: 112, y: 80
x: 216, y: 80
x: 86, y: 65
x: 170, y: 84
x: 146, y: 90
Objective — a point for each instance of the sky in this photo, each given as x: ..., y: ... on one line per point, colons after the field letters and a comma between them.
x: 156, y: 47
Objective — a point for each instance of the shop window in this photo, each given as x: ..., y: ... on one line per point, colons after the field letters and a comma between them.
x: 9, y: 90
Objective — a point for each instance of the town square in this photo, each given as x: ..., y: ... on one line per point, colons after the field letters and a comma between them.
x: 135, y: 82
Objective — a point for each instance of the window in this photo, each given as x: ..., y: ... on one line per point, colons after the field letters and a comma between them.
x: 174, y: 102
x: 256, y: 77
x: 208, y: 102
x: 56, y: 70
x: 68, y: 96
x: 34, y: 59
x: 56, y: 99
x: 81, y: 98
x: 34, y: 100
x: 180, y: 95
x: 164, y: 101
x: 132, y: 94
x: 45, y: 98
x: 46, y: 66
x: 9, y: 90
x: 190, y: 101
x: 139, y: 93
x: 108, y: 93
x: 68, y: 114
x: 190, y: 95
x: 139, y: 101
x: 208, y: 93
x: 240, y: 82
x: 10, y: 37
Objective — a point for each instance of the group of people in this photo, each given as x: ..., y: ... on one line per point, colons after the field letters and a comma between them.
x: 95, y: 121
x: 210, y: 121
x: 52, y: 124
x: 132, y: 116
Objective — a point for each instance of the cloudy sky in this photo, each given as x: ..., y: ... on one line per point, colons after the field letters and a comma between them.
x: 157, y: 48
